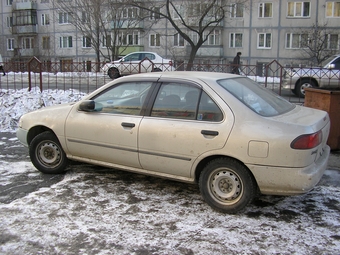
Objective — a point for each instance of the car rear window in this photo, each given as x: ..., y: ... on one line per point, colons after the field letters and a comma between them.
x: 259, y: 99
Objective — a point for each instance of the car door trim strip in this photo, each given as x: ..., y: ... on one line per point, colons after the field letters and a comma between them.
x: 127, y: 149
x: 165, y: 155
x: 102, y: 145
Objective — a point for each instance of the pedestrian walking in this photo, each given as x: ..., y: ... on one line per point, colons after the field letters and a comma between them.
x: 236, y: 63
x: 1, y: 65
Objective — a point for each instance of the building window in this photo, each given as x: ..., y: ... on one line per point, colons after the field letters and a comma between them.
x: 9, y: 21
x: 65, y: 17
x: 298, y: 9
x: 332, y: 41
x: 177, y: 11
x: 130, y: 12
x: 107, y: 41
x: 235, y: 40
x: 65, y: 42
x: 236, y: 10
x: 45, y: 19
x: 27, y: 42
x: 178, y: 40
x: 129, y: 39
x: 10, y: 44
x: 25, y: 17
x: 296, y: 41
x: 265, y: 10
x: 213, y: 38
x: 155, y: 40
x: 264, y: 41
x: 9, y: 2
x: 46, y: 42
x: 333, y: 9
x: 85, y: 17
x: 86, y: 42
x: 155, y: 13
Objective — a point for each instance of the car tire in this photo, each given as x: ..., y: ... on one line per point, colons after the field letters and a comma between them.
x: 113, y: 73
x: 47, y: 155
x: 301, y: 85
x: 227, y: 185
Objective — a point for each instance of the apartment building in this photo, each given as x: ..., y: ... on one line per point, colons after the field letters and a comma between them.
x: 263, y: 30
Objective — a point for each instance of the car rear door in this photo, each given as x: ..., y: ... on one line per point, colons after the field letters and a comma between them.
x: 184, y: 123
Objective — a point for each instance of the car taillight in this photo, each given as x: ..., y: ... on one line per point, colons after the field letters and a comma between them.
x: 304, y: 142
x: 170, y: 63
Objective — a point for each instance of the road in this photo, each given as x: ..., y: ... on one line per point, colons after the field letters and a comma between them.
x: 95, y: 210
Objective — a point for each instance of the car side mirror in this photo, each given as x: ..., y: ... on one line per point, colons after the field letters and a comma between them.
x: 122, y: 60
x: 87, y: 106
x: 331, y: 66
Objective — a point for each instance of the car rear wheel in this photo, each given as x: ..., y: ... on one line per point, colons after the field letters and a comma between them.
x: 301, y: 85
x: 113, y: 73
x: 47, y: 154
x: 227, y: 185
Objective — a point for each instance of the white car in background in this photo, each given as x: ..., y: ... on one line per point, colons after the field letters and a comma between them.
x: 327, y: 76
x: 138, y: 62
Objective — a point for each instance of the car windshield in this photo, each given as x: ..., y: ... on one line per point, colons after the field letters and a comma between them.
x: 260, y: 100
x: 325, y: 62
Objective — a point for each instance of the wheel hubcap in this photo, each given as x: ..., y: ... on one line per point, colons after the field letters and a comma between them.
x: 49, y: 154
x: 225, y: 185
x: 305, y: 85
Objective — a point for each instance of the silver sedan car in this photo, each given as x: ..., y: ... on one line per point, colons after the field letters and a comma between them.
x: 225, y: 132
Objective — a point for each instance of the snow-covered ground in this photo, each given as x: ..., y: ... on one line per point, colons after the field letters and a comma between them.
x: 95, y: 210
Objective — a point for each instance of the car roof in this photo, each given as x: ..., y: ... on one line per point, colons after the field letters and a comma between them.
x: 192, y: 75
x: 142, y: 52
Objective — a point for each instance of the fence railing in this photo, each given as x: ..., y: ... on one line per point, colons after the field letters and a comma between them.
x: 88, y: 76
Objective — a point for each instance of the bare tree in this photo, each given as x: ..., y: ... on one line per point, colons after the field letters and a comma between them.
x: 193, y: 20
x: 103, y: 24
x: 318, y: 43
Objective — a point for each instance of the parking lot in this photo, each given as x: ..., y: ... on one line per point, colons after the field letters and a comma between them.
x: 95, y: 210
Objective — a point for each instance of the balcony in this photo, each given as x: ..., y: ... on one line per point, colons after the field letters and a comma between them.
x: 25, y: 30
x: 126, y: 24
x: 24, y: 6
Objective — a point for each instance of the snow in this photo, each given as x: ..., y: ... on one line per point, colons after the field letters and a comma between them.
x: 15, y: 103
x: 96, y: 210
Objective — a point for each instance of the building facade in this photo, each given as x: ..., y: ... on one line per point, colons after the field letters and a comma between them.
x: 262, y: 30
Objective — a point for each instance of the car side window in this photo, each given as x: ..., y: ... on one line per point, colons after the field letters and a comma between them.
x: 132, y: 57
x: 149, y: 56
x: 125, y: 98
x: 182, y: 101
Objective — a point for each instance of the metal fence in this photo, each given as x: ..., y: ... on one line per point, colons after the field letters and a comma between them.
x: 87, y: 76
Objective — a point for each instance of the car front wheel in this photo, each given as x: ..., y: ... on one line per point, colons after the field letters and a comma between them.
x: 227, y: 185
x: 47, y: 154
x: 302, y: 84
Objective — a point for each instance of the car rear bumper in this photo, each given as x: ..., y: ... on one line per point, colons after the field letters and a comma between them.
x: 290, y: 181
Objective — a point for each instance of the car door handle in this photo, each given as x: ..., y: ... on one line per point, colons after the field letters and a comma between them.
x: 126, y: 124
x: 209, y: 132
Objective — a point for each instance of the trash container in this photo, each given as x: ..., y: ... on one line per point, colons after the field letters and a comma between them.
x: 329, y: 101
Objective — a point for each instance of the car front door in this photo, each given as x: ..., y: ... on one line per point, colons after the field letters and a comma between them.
x: 184, y: 123
x: 108, y: 133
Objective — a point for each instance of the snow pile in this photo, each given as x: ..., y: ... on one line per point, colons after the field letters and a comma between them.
x: 15, y: 103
